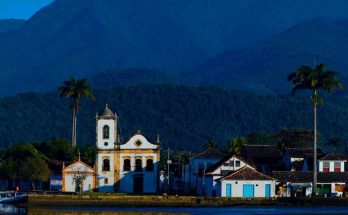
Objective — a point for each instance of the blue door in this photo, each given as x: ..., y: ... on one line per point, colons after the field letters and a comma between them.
x: 228, y: 190
x: 248, y: 190
x: 268, y: 191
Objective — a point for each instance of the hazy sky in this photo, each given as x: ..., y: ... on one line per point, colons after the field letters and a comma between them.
x: 20, y: 9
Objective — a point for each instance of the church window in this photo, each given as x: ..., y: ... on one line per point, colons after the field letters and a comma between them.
x: 106, y: 144
x: 138, y: 165
x: 126, y: 164
x: 138, y: 143
x: 106, y: 165
x: 106, y: 132
x: 149, y: 165
x: 106, y: 180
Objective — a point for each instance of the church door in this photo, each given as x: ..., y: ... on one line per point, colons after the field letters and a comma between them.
x: 138, y: 182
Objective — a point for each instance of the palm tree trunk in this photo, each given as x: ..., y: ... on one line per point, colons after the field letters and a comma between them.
x: 315, y: 102
x: 73, y: 128
x: 75, y: 132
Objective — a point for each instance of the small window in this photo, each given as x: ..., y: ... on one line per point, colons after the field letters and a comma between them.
x: 106, y: 165
x: 149, y: 165
x: 231, y: 163
x: 237, y: 163
x: 138, y: 165
x: 337, y: 166
x: 126, y: 164
x: 106, y: 144
x: 106, y: 181
x: 106, y: 132
x: 326, y: 166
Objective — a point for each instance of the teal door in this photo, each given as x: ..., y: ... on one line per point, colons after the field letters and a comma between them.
x: 248, y: 190
x: 228, y: 190
x: 268, y: 191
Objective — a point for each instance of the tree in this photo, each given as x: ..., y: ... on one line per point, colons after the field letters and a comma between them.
x: 314, y: 79
x: 235, y: 145
x: 75, y: 89
x: 25, y: 162
x: 79, y: 176
x: 34, y: 169
x: 211, y: 144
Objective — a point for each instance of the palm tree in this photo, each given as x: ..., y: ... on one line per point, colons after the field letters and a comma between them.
x: 315, y: 79
x: 75, y: 89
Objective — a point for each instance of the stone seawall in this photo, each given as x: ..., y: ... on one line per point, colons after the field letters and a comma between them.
x: 112, y: 200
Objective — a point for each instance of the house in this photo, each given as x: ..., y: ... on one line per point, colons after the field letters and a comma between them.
x: 77, y: 177
x: 300, y: 183
x: 224, y: 167
x: 299, y: 159
x: 332, y: 162
x: 195, y: 170
x: 266, y: 158
x: 246, y: 183
x: 128, y: 167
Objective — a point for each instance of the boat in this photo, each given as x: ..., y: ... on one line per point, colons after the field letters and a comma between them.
x: 12, y: 197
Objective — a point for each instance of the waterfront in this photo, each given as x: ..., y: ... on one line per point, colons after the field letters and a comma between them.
x: 10, y: 209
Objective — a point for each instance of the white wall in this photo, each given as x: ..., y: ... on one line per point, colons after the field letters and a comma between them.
x: 112, y: 133
x: 237, y: 189
x: 70, y: 184
x: 102, y: 187
x: 150, y: 179
x: 130, y: 144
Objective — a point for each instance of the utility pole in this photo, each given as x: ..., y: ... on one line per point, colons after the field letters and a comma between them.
x: 168, y: 162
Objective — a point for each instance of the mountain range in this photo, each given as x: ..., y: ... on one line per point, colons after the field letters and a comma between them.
x: 87, y: 37
x: 264, y: 66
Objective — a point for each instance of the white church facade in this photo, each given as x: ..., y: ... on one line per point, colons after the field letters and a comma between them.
x: 129, y: 167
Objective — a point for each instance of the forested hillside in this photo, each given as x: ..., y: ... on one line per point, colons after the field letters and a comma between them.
x: 185, y: 117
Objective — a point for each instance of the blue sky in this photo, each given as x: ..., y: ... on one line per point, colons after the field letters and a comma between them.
x: 20, y: 9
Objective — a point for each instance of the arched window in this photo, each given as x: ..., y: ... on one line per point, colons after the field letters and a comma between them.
x: 126, y: 164
x: 149, y: 165
x: 106, y: 165
x: 138, y: 165
x: 106, y: 132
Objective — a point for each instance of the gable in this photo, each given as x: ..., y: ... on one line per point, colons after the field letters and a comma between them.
x: 78, y: 166
x: 228, y: 164
x: 138, y: 141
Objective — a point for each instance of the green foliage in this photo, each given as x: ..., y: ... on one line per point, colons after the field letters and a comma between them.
x: 182, y: 157
x: 235, y: 145
x: 56, y: 149
x: 25, y: 162
x: 314, y: 79
x: 185, y: 117
x: 212, y: 144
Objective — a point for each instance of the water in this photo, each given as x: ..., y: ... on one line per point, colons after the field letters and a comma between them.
x: 10, y: 209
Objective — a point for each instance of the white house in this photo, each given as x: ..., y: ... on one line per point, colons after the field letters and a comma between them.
x: 246, y: 183
x: 71, y: 173
x: 224, y: 167
x: 194, y: 174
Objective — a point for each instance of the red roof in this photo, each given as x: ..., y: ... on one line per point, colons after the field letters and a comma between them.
x: 247, y: 174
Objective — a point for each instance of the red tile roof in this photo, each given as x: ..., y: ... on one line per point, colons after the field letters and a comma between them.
x: 247, y: 174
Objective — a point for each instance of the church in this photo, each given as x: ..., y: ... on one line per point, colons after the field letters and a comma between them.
x: 128, y: 167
